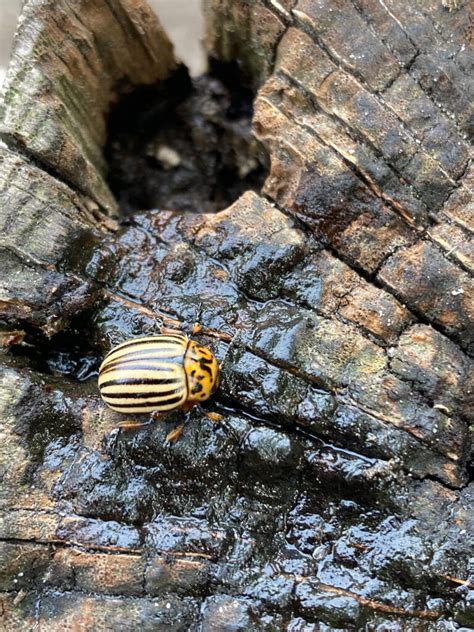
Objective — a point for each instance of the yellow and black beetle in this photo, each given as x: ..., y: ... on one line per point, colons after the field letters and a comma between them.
x: 157, y: 374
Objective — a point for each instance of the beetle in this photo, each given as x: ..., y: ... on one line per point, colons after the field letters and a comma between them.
x: 157, y: 374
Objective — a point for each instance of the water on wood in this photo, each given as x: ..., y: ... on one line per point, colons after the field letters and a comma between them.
x: 324, y: 497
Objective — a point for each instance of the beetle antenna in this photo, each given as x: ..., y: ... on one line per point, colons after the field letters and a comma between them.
x: 197, y: 327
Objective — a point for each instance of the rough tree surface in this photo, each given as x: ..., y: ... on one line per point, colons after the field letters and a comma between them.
x: 335, y: 492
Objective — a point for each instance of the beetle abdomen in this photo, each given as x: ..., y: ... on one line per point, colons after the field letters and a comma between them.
x: 145, y: 375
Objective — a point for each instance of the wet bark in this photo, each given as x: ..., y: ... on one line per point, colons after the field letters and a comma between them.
x: 335, y: 492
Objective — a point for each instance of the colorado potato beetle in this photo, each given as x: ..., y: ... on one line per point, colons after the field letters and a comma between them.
x: 157, y: 374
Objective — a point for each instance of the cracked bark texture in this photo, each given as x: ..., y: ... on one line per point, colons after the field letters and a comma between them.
x: 335, y: 493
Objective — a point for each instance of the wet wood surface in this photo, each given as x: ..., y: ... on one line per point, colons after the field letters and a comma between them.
x: 335, y: 492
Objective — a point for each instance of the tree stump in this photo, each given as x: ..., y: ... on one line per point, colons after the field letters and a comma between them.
x: 331, y: 269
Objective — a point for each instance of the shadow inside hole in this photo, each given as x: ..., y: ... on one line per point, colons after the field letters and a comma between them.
x: 185, y: 144
x: 68, y: 353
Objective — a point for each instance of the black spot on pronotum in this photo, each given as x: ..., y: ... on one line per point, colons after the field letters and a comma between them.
x: 196, y: 388
x: 200, y: 377
x: 205, y: 368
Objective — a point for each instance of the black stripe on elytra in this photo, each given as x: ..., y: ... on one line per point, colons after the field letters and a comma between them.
x: 145, y: 395
x: 136, y: 354
x: 145, y: 367
x: 165, y: 402
x: 148, y: 341
x: 137, y: 380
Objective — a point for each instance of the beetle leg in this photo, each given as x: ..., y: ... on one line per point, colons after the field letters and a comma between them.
x: 132, y: 425
x: 216, y: 418
x: 169, y: 330
x: 155, y: 415
x: 174, y: 434
x: 195, y: 329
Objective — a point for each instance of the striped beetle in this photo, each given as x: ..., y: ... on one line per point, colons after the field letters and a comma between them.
x: 157, y: 374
